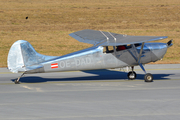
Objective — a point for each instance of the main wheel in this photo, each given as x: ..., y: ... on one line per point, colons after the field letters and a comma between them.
x: 148, y: 77
x: 131, y: 75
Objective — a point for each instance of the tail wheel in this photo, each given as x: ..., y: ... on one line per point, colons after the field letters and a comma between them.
x: 131, y: 75
x: 148, y: 77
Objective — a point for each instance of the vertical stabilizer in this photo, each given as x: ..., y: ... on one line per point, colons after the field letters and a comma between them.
x: 22, y: 57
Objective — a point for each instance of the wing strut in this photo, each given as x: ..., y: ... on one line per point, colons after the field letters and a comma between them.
x: 140, y: 54
x: 139, y: 58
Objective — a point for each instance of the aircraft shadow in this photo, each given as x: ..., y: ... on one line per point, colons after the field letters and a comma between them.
x: 101, y: 75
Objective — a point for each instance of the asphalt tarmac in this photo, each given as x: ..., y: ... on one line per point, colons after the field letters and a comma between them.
x: 92, y: 95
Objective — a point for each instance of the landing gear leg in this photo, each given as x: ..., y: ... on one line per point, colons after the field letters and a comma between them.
x: 148, y: 76
x: 132, y: 75
x: 17, y: 80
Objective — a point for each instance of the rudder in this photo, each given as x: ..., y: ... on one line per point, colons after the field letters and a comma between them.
x: 23, y: 57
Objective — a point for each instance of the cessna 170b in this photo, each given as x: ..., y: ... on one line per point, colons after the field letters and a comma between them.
x: 109, y: 50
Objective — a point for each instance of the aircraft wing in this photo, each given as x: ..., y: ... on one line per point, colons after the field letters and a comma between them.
x: 102, y: 38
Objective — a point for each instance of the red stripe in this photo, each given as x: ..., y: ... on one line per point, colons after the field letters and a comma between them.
x: 54, y: 65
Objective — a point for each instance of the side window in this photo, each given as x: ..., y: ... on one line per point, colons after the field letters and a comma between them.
x: 123, y: 47
x: 120, y: 47
x: 137, y: 44
x: 128, y: 46
x: 108, y: 49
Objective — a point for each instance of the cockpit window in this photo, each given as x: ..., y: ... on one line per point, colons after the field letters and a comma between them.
x: 110, y: 49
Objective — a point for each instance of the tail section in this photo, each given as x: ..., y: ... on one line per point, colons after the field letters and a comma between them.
x: 22, y: 57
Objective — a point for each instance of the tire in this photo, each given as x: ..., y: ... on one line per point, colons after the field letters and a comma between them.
x: 131, y: 75
x: 16, y: 81
x: 148, y: 77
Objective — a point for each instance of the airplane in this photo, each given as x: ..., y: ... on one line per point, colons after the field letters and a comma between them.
x: 109, y: 50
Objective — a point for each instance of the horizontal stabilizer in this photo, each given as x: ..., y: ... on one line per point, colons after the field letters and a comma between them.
x: 102, y: 38
x: 34, y: 69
